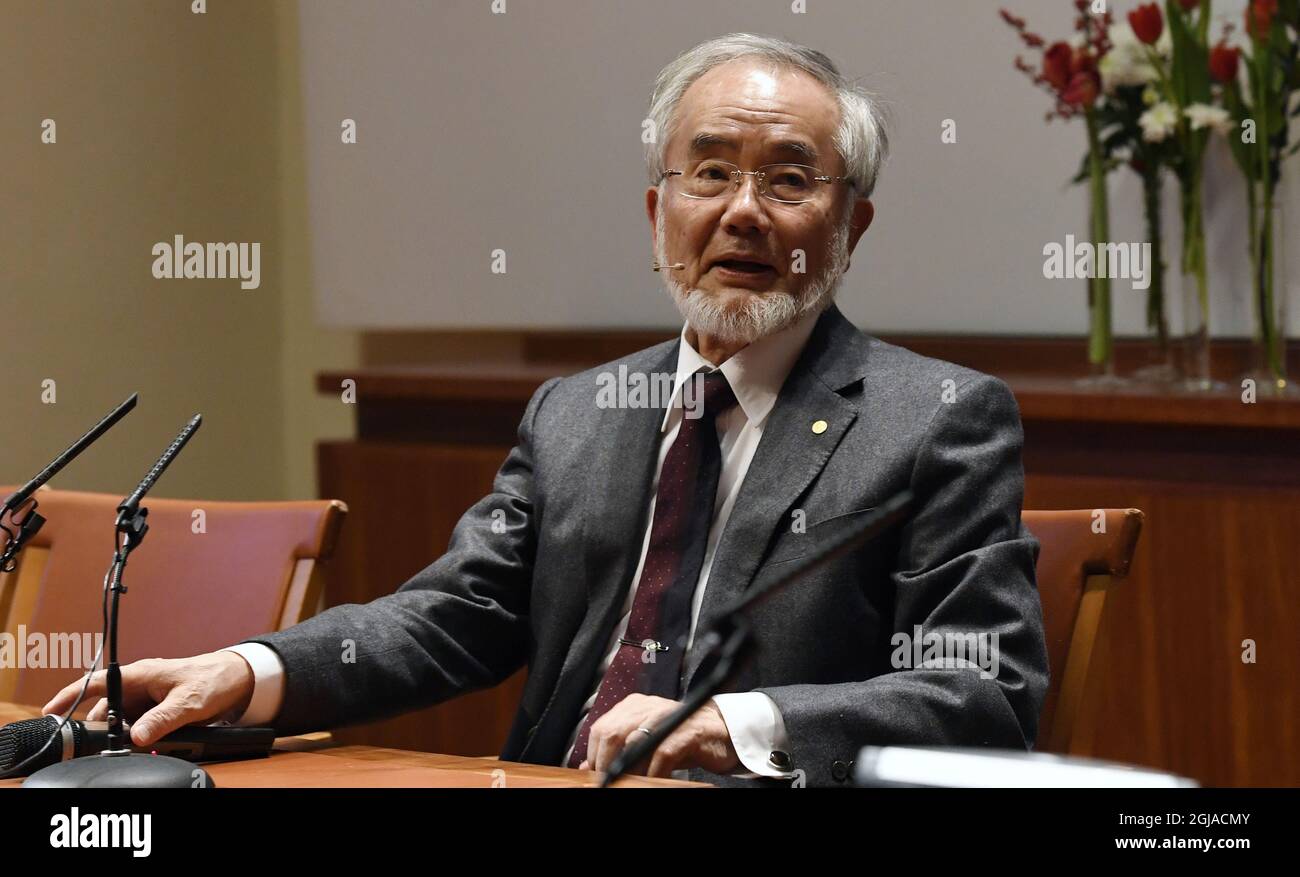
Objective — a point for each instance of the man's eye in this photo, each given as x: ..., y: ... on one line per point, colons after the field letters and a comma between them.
x: 713, y: 173
x: 790, y: 181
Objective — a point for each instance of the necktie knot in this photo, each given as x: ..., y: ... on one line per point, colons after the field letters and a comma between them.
x: 718, y: 395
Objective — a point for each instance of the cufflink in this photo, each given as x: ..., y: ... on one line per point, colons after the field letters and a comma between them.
x: 779, y: 760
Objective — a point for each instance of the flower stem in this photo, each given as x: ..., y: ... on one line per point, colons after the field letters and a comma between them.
x: 1100, y: 346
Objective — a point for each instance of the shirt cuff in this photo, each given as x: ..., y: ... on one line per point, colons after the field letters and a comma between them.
x: 757, y: 733
x: 268, y: 685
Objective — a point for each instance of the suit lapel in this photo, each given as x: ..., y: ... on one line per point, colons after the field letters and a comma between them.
x: 789, y: 457
x: 624, y: 454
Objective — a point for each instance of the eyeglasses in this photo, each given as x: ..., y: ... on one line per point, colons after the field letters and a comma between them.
x: 786, y: 183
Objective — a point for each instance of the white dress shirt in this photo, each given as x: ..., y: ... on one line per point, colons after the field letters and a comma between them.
x: 756, y: 374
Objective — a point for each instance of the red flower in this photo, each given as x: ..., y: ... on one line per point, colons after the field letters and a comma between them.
x: 1083, y: 89
x: 1223, y: 63
x: 1147, y: 23
x: 1083, y: 62
x: 1259, y: 18
x: 1056, y: 65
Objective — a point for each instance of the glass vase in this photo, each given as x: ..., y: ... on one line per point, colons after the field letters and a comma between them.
x: 1197, y: 375
x: 1269, y: 275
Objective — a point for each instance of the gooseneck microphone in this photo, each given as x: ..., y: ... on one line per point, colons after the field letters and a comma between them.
x: 728, y: 642
x: 117, y: 765
x: 128, y: 506
x: 30, y: 522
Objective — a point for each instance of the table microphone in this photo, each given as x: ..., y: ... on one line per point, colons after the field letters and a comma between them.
x: 24, y: 739
x: 118, y: 765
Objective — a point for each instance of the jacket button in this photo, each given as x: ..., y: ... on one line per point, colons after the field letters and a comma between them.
x: 840, y: 770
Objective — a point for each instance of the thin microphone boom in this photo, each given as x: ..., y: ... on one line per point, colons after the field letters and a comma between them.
x: 20, y: 496
x: 131, y: 503
x: 675, y: 267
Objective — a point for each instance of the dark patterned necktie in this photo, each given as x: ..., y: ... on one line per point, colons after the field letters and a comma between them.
x: 649, y: 656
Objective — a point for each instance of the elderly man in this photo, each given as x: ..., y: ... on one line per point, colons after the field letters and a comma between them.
x: 613, y: 533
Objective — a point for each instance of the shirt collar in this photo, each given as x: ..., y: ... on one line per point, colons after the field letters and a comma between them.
x: 755, y: 373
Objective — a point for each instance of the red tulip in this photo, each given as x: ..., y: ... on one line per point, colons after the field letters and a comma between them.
x: 1147, y: 23
x: 1056, y: 65
x: 1223, y: 63
x: 1259, y: 18
x: 1083, y: 89
x: 1082, y: 62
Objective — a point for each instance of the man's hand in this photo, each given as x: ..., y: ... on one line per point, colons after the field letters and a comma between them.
x: 701, y: 741
x: 168, y: 693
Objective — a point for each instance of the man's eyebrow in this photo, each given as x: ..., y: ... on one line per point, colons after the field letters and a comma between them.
x: 704, y: 141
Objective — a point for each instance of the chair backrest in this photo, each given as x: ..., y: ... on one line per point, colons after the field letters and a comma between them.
x: 1083, y: 554
x: 207, y: 575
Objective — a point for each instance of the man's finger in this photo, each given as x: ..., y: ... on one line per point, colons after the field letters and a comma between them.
x: 175, y: 711
x: 98, y: 712
x: 608, y: 747
x: 60, y: 703
x: 665, y: 759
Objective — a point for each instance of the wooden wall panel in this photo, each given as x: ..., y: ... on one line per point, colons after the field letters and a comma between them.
x: 403, y: 501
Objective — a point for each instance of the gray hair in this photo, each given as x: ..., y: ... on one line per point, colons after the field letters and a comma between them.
x: 861, y: 139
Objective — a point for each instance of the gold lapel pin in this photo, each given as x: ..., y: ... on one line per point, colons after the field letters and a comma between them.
x: 819, y: 427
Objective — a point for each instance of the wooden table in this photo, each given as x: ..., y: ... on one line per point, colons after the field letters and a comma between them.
x: 314, y: 761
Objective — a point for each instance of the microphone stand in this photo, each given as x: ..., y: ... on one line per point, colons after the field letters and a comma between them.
x: 728, y: 643
x: 117, y: 766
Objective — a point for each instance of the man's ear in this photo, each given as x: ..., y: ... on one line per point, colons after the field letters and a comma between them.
x: 863, y: 212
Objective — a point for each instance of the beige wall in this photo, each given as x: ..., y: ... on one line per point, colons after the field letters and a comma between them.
x: 168, y: 123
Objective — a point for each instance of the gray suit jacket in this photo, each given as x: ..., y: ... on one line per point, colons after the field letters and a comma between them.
x: 544, y: 590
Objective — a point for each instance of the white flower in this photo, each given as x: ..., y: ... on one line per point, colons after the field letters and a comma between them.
x: 1206, y: 116
x: 1159, y: 122
x: 1128, y: 62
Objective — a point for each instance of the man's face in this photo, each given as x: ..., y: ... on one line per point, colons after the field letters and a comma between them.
x: 739, y: 249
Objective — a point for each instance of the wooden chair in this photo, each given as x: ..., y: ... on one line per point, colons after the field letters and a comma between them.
x: 207, y: 575
x: 1077, y: 567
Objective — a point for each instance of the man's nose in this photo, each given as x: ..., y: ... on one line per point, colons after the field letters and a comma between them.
x: 746, y: 212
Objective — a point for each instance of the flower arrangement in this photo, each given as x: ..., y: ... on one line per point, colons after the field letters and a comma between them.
x: 1262, y: 113
x: 1071, y: 75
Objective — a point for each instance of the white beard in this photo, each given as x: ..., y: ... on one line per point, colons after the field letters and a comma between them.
x: 762, y: 314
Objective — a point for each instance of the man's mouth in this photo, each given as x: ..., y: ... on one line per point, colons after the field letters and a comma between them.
x: 744, y: 266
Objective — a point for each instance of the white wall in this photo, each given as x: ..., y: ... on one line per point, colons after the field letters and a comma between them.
x: 521, y: 131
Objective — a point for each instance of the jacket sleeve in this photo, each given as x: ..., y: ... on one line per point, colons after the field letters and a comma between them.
x: 457, y: 625
x: 965, y: 566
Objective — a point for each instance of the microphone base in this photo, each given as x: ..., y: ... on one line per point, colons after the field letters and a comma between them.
x: 133, y: 771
